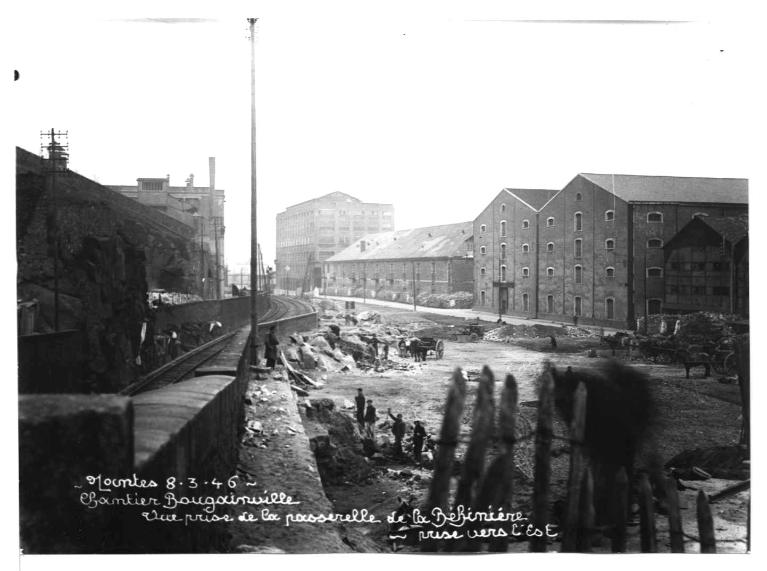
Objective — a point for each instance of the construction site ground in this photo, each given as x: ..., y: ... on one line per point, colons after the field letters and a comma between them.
x: 694, y: 413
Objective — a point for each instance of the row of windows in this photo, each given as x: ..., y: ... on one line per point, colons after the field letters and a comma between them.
x: 699, y: 290
x: 550, y: 308
x: 577, y: 221
x: 653, y: 272
x: 578, y: 246
x: 701, y: 266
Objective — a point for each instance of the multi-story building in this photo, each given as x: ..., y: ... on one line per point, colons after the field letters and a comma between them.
x: 398, y: 265
x: 310, y: 232
x: 706, y: 266
x: 201, y: 207
x: 593, y: 250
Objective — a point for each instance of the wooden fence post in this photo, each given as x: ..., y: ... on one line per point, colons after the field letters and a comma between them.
x: 577, y: 463
x: 705, y: 525
x: 676, y: 534
x: 497, y: 488
x: 587, y: 515
x: 445, y: 454
x: 620, y: 514
x: 543, y: 436
x: 482, y: 423
x: 646, y: 516
x: 495, y: 491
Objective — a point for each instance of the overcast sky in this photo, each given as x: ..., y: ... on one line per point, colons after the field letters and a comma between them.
x: 432, y: 109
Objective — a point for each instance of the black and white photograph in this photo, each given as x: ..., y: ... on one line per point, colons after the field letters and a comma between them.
x: 382, y: 278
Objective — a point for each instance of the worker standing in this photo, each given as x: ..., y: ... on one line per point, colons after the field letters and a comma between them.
x: 360, y: 401
x: 370, y: 420
x: 419, y: 435
x: 398, y: 429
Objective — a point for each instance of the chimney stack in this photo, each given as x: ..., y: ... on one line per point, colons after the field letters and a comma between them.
x: 212, y: 169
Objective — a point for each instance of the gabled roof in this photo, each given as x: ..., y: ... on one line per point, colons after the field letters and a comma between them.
x: 642, y: 188
x: 535, y: 198
x: 447, y: 241
x: 732, y: 228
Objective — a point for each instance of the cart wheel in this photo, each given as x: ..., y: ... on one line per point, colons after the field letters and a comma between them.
x: 440, y: 349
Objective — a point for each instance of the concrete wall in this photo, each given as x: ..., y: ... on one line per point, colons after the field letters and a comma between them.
x: 62, y: 439
x: 52, y: 363
x: 187, y: 430
x: 190, y: 429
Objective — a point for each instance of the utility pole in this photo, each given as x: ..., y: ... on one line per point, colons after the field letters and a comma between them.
x: 58, y: 156
x: 253, y: 202
x: 415, y: 291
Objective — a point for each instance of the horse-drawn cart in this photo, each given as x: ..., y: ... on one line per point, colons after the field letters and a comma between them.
x: 420, y: 347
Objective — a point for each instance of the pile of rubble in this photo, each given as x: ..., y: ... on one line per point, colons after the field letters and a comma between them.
x: 507, y: 333
x: 307, y: 357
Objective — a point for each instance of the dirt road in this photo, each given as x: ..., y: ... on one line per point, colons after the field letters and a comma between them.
x: 689, y: 417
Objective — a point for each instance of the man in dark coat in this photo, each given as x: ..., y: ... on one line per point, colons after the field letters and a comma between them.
x: 398, y: 429
x: 271, y: 342
x: 370, y: 420
x: 374, y: 345
x: 419, y: 435
x: 360, y: 400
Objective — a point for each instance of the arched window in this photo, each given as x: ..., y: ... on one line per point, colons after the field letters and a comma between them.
x: 482, y: 297
x: 610, y: 244
x: 550, y: 272
x: 655, y: 217
x: 503, y: 207
x: 482, y: 228
x: 654, y: 243
x: 550, y: 221
x: 578, y: 274
x: 503, y: 228
x: 578, y: 196
x: 503, y: 251
x: 610, y: 272
x: 578, y: 306
x: 549, y: 304
x: 655, y: 272
x: 550, y: 247
x: 610, y: 308
x: 578, y: 248
x: 525, y: 302
x: 482, y: 271
x: 482, y: 250
x: 525, y: 248
x: 525, y: 224
x: 525, y: 272
x: 578, y: 221
x: 609, y: 215
x: 503, y: 273
x: 654, y: 306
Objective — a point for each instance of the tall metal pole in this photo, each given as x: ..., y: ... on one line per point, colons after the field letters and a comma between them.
x: 414, y: 288
x: 54, y: 225
x: 253, y: 209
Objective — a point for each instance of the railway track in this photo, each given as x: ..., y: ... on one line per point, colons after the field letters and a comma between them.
x: 179, y: 368
x: 184, y: 366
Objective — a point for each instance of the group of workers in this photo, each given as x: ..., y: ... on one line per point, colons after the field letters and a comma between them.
x: 366, y: 418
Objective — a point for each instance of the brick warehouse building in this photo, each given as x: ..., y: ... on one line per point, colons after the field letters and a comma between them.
x: 395, y: 265
x: 706, y: 266
x: 310, y: 232
x: 593, y: 249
